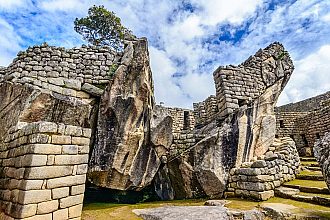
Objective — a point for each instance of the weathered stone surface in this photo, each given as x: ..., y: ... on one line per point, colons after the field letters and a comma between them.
x: 281, y: 211
x: 216, y: 202
x: 197, y: 213
x: 322, y: 154
x: 183, y: 212
x: 123, y: 157
x: 213, y: 158
x: 161, y: 130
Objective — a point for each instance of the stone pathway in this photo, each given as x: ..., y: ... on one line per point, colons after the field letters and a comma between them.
x: 309, y: 186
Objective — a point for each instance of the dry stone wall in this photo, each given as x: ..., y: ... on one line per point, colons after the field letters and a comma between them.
x: 206, y: 111
x: 257, y: 180
x: 304, y: 127
x: 238, y: 85
x: 69, y: 72
x: 306, y: 105
x: 183, y: 119
x: 43, y: 171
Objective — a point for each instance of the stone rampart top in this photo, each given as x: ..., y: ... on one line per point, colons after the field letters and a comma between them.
x: 77, y: 72
x: 87, y: 64
x: 306, y: 105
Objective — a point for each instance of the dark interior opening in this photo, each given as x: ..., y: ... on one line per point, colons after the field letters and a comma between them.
x: 281, y: 124
x: 318, y: 136
x: 292, y: 137
x: 185, y: 120
x: 241, y: 102
x: 276, y: 136
x: 303, y: 136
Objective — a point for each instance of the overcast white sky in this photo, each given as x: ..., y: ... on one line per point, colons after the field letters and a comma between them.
x: 189, y: 39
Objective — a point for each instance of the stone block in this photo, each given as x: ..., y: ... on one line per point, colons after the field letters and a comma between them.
x: 259, y: 164
x: 45, y: 149
x: 71, y: 201
x: 66, y: 181
x: 30, y: 184
x: 261, y: 178
x: 80, y: 141
x: 46, y: 127
x: 48, y: 172
x: 75, y: 211
x: 61, y: 214
x: 72, y: 84
x: 32, y: 160
x: 59, y: 193
x: 73, y: 130
x: 71, y: 159
x: 47, y: 207
x: 262, y: 195
x: 70, y: 149
x: 38, y: 139
x: 13, y: 184
x: 82, y: 169
x: 41, y: 217
x: 87, y: 132
x: 248, y: 171
x: 61, y: 139
x: 93, y: 90
x: 34, y: 196
x: 76, y: 190
x: 251, y: 186
x: 23, y: 211
x: 83, y: 149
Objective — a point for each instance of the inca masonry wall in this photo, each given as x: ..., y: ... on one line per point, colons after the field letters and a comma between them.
x: 43, y: 171
x: 304, y: 127
x: 43, y: 165
x: 257, y: 180
x: 205, y: 111
x: 183, y: 120
x: 70, y: 72
x: 236, y: 85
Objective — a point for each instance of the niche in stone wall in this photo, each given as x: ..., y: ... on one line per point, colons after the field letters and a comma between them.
x: 281, y: 124
x: 303, y: 137
x: 241, y: 102
x: 185, y: 120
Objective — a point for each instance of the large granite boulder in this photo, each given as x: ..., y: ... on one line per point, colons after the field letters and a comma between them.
x: 21, y: 104
x: 122, y: 156
x: 161, y: 136
x: 322, y: 154
x: 213, y: 157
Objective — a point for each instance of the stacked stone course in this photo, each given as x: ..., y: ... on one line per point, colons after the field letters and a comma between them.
x: 180, y: 123
x: 43, y: 171
x: 71, y: 72
x: 305, y: 127
x: 257, y: 180
x: 238, y: 85
x: 205, y: 111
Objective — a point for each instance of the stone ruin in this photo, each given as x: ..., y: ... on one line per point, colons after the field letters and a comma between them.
x: 305, y: 122
x: 89, y: 113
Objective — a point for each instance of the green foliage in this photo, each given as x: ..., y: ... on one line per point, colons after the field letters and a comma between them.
x: 102, y: 28
x: 280, y: 57
x: 113, y: 69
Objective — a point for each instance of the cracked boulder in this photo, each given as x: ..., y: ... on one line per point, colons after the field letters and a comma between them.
x: 322, y: 154
x: 122, y: 157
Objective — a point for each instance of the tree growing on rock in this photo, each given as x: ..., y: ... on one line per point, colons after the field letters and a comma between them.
x: 102, y: 28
